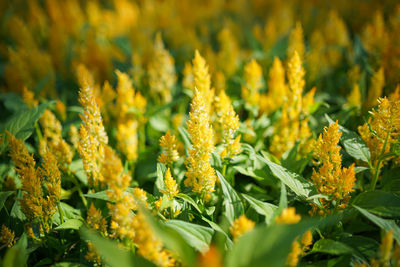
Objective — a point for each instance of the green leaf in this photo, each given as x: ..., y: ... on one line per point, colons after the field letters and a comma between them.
x: 13, y: 102
x: 332, y: 247
x: 112, y: 255
x: 70, y: 224
x: 22, y: 124
x: 233, y: 204
x: 386, y: 225
x: 195, y: 235
x: 270, y: 244
x: 380, y: 203
x: 189, y: 200
x: 185, y: 138
x: 17, y: 256
x: 365, y: 246
x: 98, y: 195
x: 68, y: 264
x: 16, y: 210
x: 218, y: 228
x: 294, y: 181
x: 353, y: 144
x: 77, y: 169
x: 3, y: 197
x: 263, y: 208
x: 172, y: 240
x: 159, y: 184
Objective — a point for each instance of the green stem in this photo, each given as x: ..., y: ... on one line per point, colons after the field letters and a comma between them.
x: 378, y: 165
x: 38, y: 132
x: 224, y: 169
x: 78, y: 187
x: 61, y: 212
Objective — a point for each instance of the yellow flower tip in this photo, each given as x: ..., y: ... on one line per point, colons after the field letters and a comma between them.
x: 171, y: 188
x: 385, y: 249
x: 211, y: 258
x: 306, y: 240
x: 293, y: 257
x: 29, y: 98
x: 140, y: 197
x: 288, y: 216
x: 169, y: 144
x: 354, y: 98
x: 253, y: 82
x: 240, y: 226
x: 96, y: 220
x: 7, y: 236
x: 296, y: 42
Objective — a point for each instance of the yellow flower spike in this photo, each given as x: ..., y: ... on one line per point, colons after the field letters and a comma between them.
x: 385, y: 123
x: 293, y: 257
x: 228, y: 54
x: 296, y: 80
x: 73, y: 136
x: 7, y: 236
x: 228, y: 123
x: 277, y: 89
x: 376, y: 88
x: 188, y: 78
x: 306, y: 240
x: 93, y: 137
x: 29, y: 98
x: 61, y: 110
x: 200, y: 175
x: 128, y: 139
x: 296, y: 42
x: 202, y: 80
x: 288, y: 216
x: 96, y: 220
x: 385, y: 249
x: 169, y: 143
x: 354, y: 98
x: 331, y: 179
x: 253, y: 82
x: 375, y: 36
x: 171, y: 188
x: 240, y: 226
x: 148, y: 244
x: 219, y: 82
x: 161, y: 72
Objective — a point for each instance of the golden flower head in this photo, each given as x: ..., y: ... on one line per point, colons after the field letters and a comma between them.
x: 288, y: 216
x: 171, y: 188
x: 240, y: 226
x: 296, y: 42
x: 169, y: 143
x: 293, y: 257
x: 253, y: 82
x: 7, y: 236
x: 376, y: 88
x: 29, y: 98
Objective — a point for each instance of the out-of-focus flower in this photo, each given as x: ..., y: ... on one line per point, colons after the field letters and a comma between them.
x: 169, y: 143
x: 240, y: 226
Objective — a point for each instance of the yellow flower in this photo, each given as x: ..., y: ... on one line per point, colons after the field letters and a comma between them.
x: 211, y: 258
x: 331, y: 179
x: 228, y: 54
x: 200, y: 175
x: 306, y: 240
x: 202, y: 80
x: 288, y: 216
x: 171, y: 188
x: 228, y: 123
x: 188, y: 79
x: 169, y: 143
x: 161, y: 72
x: 354, y: 98
x: 253, y: 82
x: 296, y: 42
x: 148, y: 244
x: 29, y: 98
x: 277, y: 89
x: 240, y: 226
x: 376, y: 88
x: 7, y: 236
x: 385, y: 124
x: 96, y: 220
x: 293, y: 257
x: 36, y: 203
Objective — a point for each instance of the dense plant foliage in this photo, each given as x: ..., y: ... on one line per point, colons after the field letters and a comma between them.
x: 199, y: 133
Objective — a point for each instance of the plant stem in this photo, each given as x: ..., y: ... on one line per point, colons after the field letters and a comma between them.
x: 378, y: 165
x: 61, y: 212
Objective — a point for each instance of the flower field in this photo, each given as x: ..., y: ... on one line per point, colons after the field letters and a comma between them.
x: 199, y: 133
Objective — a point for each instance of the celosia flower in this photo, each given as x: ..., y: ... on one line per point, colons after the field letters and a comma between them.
x: 277, y: 89
x: 188, y: 78
x: 169, y: 143
x: 171, y: 188
x: 296, y: 42
x: 211, y: 258
x: 240, y: 226
x: 202, y: 80
x: 96, y: 220
x: 228, y: 123
x: 376, y: 88
x: 354, y: 98
x: 93, y: 137
x: 200, y: 175
x: 228, y: 54
x: 29, y: 98
x: 7, y: 236
x: 288, y: 216
x: 331, y: 179
x: 253, y: 82
x: 161, y: 72
x: 41, y: 186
